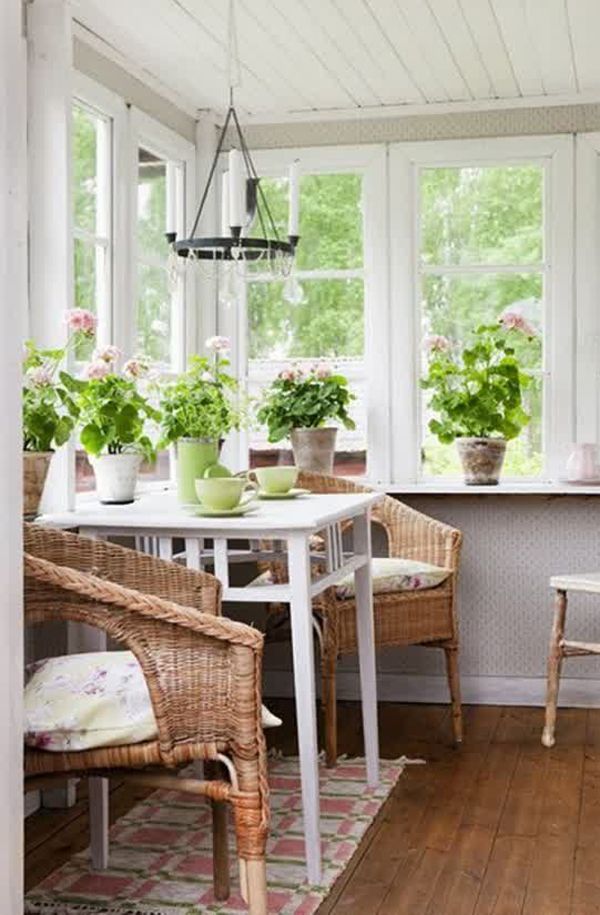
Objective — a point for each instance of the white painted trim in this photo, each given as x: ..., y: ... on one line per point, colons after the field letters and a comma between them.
x: 576, y: 692
x: 13, y: 314
x: 587, y: 278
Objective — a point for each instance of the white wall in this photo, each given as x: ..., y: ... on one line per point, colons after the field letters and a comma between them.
x: 13, y: 308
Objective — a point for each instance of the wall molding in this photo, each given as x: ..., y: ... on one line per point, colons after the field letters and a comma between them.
x: 575, y: 692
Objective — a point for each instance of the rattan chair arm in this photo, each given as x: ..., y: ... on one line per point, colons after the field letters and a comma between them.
x: 101, y: 591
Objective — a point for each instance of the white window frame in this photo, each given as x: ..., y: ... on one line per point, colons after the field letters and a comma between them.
x: 181, y: 158
x: 370, y: 162
x: 587, y: 285
x: 555, y: 153
x: 102, y: 102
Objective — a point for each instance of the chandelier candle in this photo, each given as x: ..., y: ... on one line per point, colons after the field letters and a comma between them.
x: 225, y: 204
x: 237, y: 195
x: 294, y: 200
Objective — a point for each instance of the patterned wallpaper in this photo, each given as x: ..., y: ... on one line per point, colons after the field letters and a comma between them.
x: 448, y: 126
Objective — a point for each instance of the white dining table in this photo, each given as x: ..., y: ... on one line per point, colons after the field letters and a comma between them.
x: 158, y: 519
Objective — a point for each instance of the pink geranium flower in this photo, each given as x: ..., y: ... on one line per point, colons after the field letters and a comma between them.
x: 322, y: 371
x: 97, y: 370
x: 437, y: 343
x: 80, y: 320
x: 514, y: 320
x: 135, y: 368
x: 108, y: 354
x: 40, y: 377
x: 218, y: 344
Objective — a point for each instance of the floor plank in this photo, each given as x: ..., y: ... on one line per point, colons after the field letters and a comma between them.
x: 500, y: 826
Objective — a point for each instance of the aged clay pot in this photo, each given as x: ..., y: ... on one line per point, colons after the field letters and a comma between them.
x: 314, y: 449
x: 482, y: 459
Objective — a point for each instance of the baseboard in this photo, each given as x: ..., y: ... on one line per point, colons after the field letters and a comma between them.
x: 574, y: 692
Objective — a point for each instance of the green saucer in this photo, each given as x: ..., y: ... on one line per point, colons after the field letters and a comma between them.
x: 204, y: 512
x: 290, y: 494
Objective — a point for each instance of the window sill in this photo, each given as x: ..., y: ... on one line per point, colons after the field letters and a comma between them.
x: 507, y: 488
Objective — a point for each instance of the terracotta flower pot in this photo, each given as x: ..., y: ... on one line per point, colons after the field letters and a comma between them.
x: 482, y: 459
x: 314, y: 449
x: 35, y: 471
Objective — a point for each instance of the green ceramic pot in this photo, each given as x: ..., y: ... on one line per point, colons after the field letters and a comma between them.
x: 194, y: 455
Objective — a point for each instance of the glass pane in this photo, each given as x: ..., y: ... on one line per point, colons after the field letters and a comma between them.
x: 84, y: 156
x: 152, y: 205
x: 474, y: 215
x: 330, y: 222
x: 330, y: 219
x: 454, y: 306
x: 87, y: 265
x: 153, y: 318
x: 327, y: 323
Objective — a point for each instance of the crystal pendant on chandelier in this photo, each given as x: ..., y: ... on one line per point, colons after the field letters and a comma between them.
x: 248, y: 233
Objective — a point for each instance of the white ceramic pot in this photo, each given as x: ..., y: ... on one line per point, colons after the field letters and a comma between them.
x: 116, y: 477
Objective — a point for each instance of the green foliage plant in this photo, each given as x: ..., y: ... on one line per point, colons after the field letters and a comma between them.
x: 201, y: 403
x: 49, y: 409
x: 113, y: 411
x: 478, y: 392
x: 305, y: 400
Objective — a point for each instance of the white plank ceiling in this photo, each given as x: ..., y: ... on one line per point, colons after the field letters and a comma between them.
x: 304, y: 58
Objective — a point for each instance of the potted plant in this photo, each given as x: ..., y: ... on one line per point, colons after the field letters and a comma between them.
x: 113, y: 415
x: 49, y: 411
x: 198, y: 411
x: 477, y: 394
x: 299, y: 405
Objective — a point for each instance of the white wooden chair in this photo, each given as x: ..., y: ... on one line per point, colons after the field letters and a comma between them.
x: 562, y: 648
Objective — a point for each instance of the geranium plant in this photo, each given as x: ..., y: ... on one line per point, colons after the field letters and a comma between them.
x: 477, y: 392
x: 113, y: 411
x: 200, y: 403
x: 49, y: 409
x: 299, y: 399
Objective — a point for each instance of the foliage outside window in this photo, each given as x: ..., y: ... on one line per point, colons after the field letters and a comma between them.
x: 92, y: 236
x: 320, y: 313
x: 481, y: 254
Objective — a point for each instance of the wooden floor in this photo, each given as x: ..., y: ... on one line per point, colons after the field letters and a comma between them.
x: 501, y: 826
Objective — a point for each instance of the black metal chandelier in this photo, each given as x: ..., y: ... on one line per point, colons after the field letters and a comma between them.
x: 243, y: 204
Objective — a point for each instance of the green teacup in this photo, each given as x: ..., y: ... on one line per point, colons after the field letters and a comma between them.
x: 276, y: 480
x: 225, y: 493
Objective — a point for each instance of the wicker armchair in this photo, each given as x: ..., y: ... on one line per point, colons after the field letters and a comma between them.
x: 426, y: 617
x: 203, y: 674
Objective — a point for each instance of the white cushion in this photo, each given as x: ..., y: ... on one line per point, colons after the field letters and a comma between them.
x: 392, y: 574
x: 388, y: 574
x: 98, y: 699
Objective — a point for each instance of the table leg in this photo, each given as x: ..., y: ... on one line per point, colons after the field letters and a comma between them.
x: 366, y: 647
x: 88, y: 638
x: 304, y: 688
x: 165, y: 548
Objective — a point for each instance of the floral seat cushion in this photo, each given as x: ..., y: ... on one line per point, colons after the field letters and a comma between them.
x: 98, y: 699
x: 389, y: 575
x: 393, y: 574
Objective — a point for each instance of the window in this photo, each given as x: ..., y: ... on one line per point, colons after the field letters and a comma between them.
x: 92, y: 213
x: 481, y: 252
x: 320, y: 315
x: 164, y: 176
x: 157, y: 186
x: 478, y: 227
x: 92, y: 235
